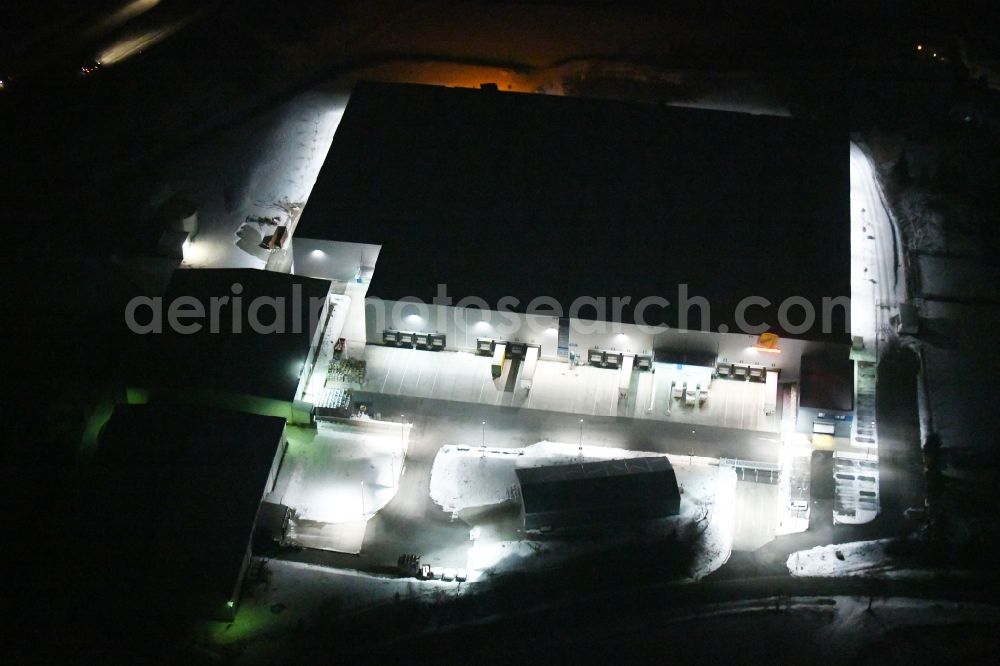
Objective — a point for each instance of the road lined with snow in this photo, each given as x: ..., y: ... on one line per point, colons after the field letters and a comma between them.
x: 877, y: 285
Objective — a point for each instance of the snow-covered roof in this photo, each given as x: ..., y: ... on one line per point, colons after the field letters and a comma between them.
x: 510, y: 194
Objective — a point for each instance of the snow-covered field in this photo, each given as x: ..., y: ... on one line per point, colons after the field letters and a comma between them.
x: 462, y: 478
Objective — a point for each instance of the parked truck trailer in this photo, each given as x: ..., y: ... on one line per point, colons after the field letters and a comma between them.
x: 528, y: 369
x: 499, y: 355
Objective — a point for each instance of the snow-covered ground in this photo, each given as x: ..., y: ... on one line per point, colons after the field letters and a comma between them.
x: 877, y: 284
x: 296, y: 595
x: 339, y: 474
x: 463, y: 478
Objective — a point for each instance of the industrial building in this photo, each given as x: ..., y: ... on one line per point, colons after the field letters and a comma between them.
x: 537, y: 211
x: 170, y: 503
x: 230, y: 363
x: 580, y: 495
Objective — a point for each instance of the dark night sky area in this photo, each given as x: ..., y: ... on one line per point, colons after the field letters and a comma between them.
x: 74, y: 145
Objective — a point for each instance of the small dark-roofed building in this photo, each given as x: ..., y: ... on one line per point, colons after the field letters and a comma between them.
x: 508, y: 194
x: 232, y: 365
x: 826, y: 395
x: 174, y: 493
x: 579, y: 495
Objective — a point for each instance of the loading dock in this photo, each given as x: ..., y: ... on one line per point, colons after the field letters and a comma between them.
x: 409, y: 339
x: 586, y: 389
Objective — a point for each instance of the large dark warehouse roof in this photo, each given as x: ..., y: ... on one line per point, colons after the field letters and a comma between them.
x: 827, y: 383
x: 498, y: 194
x: 174, y: 496
x: 234, y: 358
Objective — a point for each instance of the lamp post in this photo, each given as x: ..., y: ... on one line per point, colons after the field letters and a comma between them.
x: 580, y: 449
x: 402, y: 435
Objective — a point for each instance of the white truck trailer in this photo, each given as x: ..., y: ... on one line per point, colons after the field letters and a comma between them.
x: 625, y: 375
x: 771, y: 392
x: 499, y: 355
x: 528, y: 367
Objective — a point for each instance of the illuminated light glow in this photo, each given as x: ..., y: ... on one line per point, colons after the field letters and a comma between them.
x: 767, y: 342
x: 317, y: 253
x: 551, y: 330
x: 484, y: 556
x: 126, y: 13
x: 230, y: 604
x: 127, y: 48
x: 413, y: 317
x: 767, y: 339
x: 920, y: 47
x: 482, y: 323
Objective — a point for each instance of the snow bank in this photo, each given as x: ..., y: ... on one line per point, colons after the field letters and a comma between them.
x: 462, y: 477
x: 859, y: 558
